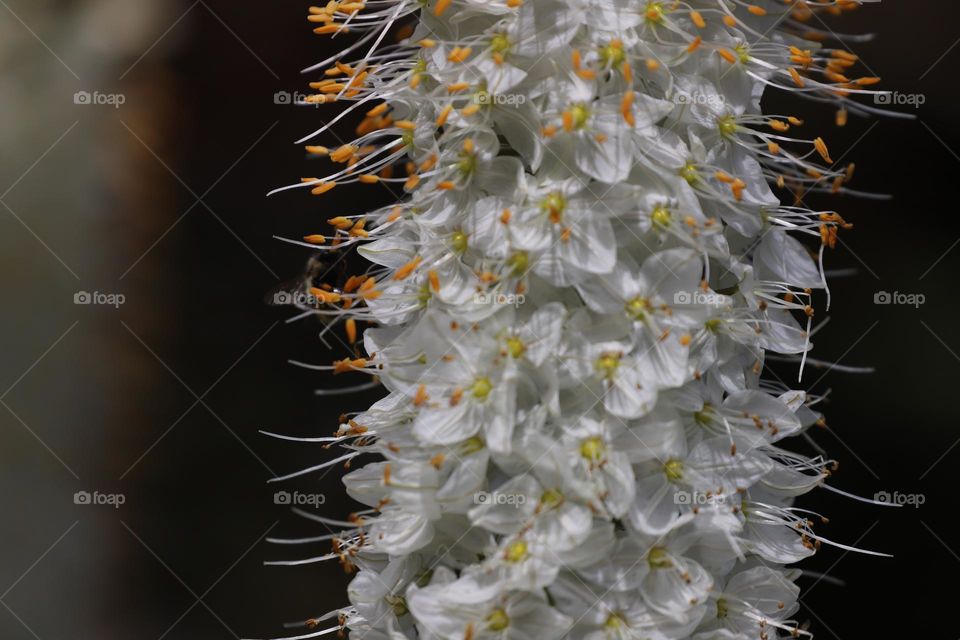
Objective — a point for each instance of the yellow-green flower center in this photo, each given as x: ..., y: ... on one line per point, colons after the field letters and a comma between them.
x: 481, y: 388
x: 703, y: 416
x: 407, y: 138
x: 659, y: 558
x: 459, y: 241
x: 743, y: 53
x: 722, y: 608
x: 515, y: 346
x: 516, y: 551
x: 398, y: 604
x: 607, y: 365
x: 728, y: 125
x: 593, y: 448
x: 518, y: 263
x: 500, y: 43
x: 655, y: 12
x: 615, y: 621
x: 467, y: 164
x: 424, y: 295
x: 424, y: 578
x: 472, y: 445
x: 661, y: 216
x: 612, y: 55
x: 550, y: 499
x: 580, y: 114
x: 673, y: 470
x: 637, y: 308
x: 498, y: 620
x: 554, y: 204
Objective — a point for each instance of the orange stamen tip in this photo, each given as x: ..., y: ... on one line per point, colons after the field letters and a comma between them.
x: 444, y: 114
x: 727, y: 55
x: 326, y: 297
x: 421, y: 396
x: 407, y: 269
x: 341, y: 222
x: 322, y: 188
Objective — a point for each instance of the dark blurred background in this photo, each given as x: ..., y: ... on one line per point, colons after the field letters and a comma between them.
x: 154, y: 189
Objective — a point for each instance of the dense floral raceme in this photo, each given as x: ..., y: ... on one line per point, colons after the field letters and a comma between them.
x: 570, y: 310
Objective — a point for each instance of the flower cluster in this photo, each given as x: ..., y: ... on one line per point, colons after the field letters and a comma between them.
x: 570, y: 310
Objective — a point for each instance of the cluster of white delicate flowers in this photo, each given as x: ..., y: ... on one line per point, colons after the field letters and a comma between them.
x: 570, y: 310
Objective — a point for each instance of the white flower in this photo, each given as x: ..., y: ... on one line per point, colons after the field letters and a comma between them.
x: 570, y: 309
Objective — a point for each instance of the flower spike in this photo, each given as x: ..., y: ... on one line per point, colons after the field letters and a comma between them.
x: 601, y: 241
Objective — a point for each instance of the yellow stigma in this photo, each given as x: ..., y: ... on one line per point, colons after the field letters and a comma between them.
x: 459, y: 241
x: 614, y: 621
x: 661, y: 216
x: 579, y: 115
x: 673, y: 470
x: 467, y: 164
x: 612, y: 55
x: 398, y: 604
x: 516, y: 551
x: 689, y: 173
x: 498, y: 620
x: 727, y: 125
x: 554, y: 204
x: 637, y: 308
x: 593, y: 449
x: 607, y: 365
x: 472, y: 445
x: 722, y: 608
x: 658, y: 558
x: 743, y: 53
x: 481, y: 388
x: 515, y: 346
x: 550, y: 499
x: 499, y: 43
x: 518, y: 263
x: 655, y: 12
x: 702, y: 417
x: 424, y: 294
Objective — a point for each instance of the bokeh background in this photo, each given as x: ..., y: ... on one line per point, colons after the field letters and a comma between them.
x: 159, y: 399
